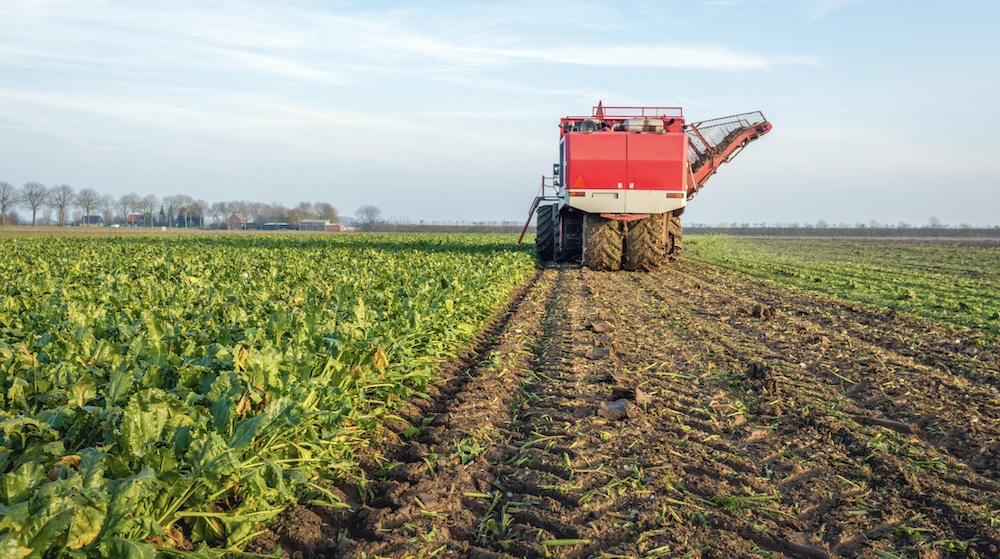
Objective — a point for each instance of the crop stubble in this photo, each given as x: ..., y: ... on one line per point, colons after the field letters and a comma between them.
x: 746, y: 420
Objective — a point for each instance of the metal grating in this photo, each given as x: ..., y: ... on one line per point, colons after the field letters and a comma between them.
x: 706, y: 137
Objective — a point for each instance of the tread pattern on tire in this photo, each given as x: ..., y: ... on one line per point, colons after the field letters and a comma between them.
x: 603, y: 243
x: 645, y: 249
x: 545, y: 236
x: 676, y: 233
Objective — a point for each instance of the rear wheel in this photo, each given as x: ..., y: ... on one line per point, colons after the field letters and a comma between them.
x: 602, y: 249
x: 646, y: 244
x: 674, y: 237
x: 545, y: 236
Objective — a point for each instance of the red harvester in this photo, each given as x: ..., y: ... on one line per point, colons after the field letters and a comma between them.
x: 623, y: 179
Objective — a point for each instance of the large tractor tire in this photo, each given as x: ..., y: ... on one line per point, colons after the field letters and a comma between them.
x: 602, y: 249
x: 545, y: 232
x: 674, y: 236
x: 646, y: 244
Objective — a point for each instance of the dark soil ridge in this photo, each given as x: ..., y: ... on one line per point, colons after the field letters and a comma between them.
x: 689, y: 413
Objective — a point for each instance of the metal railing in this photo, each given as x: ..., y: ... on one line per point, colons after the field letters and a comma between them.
x: 632, y: 112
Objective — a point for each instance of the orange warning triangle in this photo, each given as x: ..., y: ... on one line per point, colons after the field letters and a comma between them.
x: 579, y: 182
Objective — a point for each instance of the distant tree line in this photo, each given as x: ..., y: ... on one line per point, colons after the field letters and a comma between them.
x: 63, y: 205
x: 404, y: 225
x: 933, y: 228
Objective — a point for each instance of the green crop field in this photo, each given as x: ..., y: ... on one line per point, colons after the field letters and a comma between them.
x: 951, y: 282
x: 174, y: 392
x: 171, y: 395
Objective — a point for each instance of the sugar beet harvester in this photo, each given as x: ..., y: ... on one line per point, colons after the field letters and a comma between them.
x: 623, y: 179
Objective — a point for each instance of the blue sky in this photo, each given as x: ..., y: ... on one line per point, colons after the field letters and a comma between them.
x: 882, y: 110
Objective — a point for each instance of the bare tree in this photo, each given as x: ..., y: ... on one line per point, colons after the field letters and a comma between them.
x: 183, y: 204
x: 326, y: 211
x: 149, y: 203
x: 258, y: 210
x: 307, y: 210
x: 274, y: 212
x: 218, y: 210
x: 198, y: 208
x: 368, y: 216
x: 87, y: 200
x: 107, y: 205
x: 34, y: 195
x: 9, y: 199
x: 298, y: 213
x: 239, y: 206
x: 61, y: 198
x: 127, y: 205
x: 171, y: 203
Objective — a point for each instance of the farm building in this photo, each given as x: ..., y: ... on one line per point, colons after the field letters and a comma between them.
x: 91, y: 221
x: 236, y: 221
x: 319, y: 225
x: 276, y: 226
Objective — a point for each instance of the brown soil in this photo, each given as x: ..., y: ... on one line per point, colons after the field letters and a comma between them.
x: 687, y: 413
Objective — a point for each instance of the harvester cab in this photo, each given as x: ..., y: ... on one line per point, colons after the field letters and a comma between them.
x: 624, y: 177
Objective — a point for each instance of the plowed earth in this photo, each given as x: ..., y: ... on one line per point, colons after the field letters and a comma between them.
x: 688, y: 413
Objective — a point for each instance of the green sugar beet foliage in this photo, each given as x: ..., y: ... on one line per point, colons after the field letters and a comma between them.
x: 165, y: 396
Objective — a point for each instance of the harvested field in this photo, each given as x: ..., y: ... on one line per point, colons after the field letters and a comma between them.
x: 693, y: 412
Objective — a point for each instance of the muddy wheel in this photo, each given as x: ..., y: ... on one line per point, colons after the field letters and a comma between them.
x: 545, y: 237
x: 602, y: 243
x: 645, y: 244
x: 674, y: 237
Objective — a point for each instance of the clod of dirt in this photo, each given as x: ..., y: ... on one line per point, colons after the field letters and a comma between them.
x: 807, y: 545
x: 598, y: 353
x: 623, y: 393
x: 600, y: 326
x: 637, y: 395
x: 763, y: 311
x: 397, y: 426
x: 299, y: 531
x: 619, y: 409
x: 761, y: 378
x: 367, y: 522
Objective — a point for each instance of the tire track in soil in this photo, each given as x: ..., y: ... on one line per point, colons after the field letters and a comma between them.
x: 915, y: 390
x: 926, y: 483
x: 720, y: 443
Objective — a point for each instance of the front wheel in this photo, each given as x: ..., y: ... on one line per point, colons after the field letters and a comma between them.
x: 545, y: 232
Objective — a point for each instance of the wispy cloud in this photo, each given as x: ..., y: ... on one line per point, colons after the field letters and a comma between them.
x: 818, y: 9
x: 658, y: 56
x: 266, y: 39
